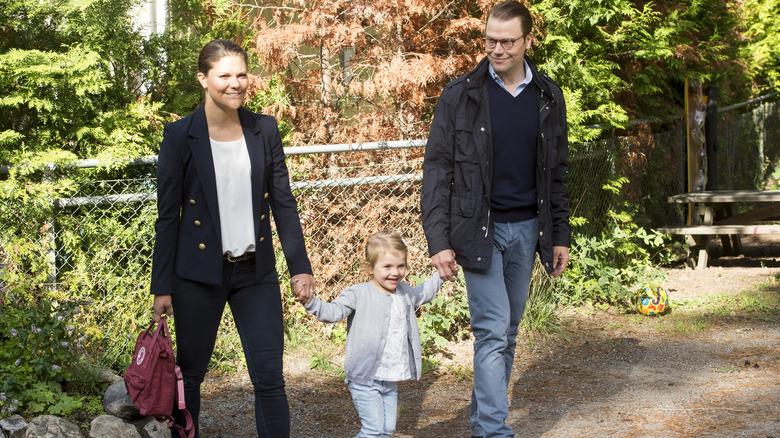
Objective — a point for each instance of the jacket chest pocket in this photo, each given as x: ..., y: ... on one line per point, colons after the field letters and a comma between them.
x: 466, y: 158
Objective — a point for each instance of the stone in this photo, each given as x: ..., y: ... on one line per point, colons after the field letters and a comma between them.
x: 109, y: 376
x: 151, y: 428
x: 108, y: 426
x: 14, y: 426
x: 118, y: 403
x: 49, y: 426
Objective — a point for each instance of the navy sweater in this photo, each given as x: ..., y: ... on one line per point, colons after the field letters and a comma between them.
x: 515, y: 128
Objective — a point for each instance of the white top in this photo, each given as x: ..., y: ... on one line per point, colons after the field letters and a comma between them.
x: 394, y: 365
x: 233, y: 171
x: 528, y: 76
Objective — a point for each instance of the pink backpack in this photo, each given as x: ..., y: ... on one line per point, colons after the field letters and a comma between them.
x: 154, y: 381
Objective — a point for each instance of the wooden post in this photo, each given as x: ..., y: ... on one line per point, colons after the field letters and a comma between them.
x: 711, y: 134
x: 695, y: 115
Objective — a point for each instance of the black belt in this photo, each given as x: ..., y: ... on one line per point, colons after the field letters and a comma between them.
x: 244, y: 257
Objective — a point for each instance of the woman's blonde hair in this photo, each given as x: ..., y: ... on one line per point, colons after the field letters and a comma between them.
x: 382, y: 242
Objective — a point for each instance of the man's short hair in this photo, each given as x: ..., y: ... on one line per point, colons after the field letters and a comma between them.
x: 511, y: 9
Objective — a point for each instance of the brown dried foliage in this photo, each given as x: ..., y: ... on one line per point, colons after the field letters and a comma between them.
x: 404, y: 53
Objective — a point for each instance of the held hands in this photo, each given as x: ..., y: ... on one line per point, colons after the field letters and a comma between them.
x: 444, y: 262
x: 303, y: 287
x: 162, y: 304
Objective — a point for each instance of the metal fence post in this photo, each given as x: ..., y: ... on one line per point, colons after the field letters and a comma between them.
x: 51, y: 236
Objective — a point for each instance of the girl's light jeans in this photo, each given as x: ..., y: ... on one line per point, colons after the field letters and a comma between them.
x: 377, y: 406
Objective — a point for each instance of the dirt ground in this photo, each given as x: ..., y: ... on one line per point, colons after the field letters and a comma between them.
x: 700, y: 374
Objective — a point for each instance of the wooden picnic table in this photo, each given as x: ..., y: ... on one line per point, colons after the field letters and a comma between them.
x: 713, y: 215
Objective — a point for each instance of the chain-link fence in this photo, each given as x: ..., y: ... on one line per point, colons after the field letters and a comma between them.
x: 96, y: 239
x: 749, y: 146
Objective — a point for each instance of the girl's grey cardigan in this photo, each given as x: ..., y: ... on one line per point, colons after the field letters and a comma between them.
x: 368, y: 312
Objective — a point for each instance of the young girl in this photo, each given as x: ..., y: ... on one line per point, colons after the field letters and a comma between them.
x: 383, y: 341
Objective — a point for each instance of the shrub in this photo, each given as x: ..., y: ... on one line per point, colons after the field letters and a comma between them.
x: 445, y: 318
x: 40, y: 347
x: 612, y: 268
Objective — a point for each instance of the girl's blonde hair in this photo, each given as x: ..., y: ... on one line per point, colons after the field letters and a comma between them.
x: 381, y: 242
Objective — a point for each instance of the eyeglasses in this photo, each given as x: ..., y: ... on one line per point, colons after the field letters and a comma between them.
x: 507, y: 44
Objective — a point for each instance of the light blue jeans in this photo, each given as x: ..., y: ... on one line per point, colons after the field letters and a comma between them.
x: 497, y: 298
x: 377, y: 406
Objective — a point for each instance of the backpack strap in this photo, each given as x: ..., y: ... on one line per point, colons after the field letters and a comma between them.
x: 188, y: 431
x: 180, y: 389
x: 189, y: 427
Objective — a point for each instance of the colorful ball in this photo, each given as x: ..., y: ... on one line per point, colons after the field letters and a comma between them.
x: 652, y: 300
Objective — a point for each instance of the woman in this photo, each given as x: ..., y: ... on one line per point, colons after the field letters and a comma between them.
x: 220, y: 171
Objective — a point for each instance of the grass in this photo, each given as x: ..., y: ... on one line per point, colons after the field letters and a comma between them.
x: 461, y: 372
x: 682, y: 326
x: 731, y: 369
x: 323, y: 363
x: 694, y: 315
x: 91, y: 408
x: 697, y: 314
x: 429, y: 364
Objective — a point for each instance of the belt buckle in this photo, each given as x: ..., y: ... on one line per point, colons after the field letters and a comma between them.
x: 240, y: 258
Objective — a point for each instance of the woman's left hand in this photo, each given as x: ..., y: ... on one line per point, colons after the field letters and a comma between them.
x: 303, y: 287
x: 163, y: 304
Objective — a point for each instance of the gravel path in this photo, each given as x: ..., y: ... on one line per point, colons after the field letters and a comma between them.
x: 607, y: 375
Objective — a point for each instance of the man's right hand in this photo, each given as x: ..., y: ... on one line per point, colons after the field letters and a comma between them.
x: 444, y: 262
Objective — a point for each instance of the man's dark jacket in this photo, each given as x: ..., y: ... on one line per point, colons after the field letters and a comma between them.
x: 458, y: 169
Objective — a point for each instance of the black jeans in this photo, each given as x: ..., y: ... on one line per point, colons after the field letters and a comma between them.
x: 257, y: 311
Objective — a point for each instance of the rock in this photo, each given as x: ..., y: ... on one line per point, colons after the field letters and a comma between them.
x: 118, y: 403
x: 49, y: 426
x: 14, y: 426
x: 108, y: 376
x: 151, y: 428
x: 108, y: 426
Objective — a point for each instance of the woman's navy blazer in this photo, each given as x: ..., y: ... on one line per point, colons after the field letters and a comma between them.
x: 188, y: 239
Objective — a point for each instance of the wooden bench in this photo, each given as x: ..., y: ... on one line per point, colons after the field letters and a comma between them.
x: 729, y: 226
x: 719, y: 230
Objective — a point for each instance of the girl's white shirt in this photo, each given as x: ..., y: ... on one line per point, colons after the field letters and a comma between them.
x: 394, y: 364
x: 233, y: 172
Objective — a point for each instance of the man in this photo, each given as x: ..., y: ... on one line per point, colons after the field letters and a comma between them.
x: 494, y: 193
